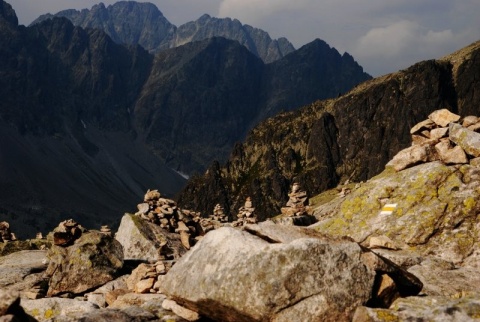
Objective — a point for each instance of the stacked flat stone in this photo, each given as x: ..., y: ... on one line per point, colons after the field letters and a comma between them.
x: 67, y: 232
x: 106, y: 230
x: 5, y: 233
x: 146, y: 278
x: 219, y: 214
x: 246, y: 214
x: 444, y: 137
x: 297, y: 204
x: 165, y: 213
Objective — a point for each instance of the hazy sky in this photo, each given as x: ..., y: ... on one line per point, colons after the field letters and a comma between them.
x: 382, y: 35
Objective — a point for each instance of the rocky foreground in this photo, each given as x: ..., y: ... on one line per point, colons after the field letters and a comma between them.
x: 403, y: 246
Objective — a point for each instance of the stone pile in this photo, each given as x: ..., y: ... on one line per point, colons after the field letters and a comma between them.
x: 219, y: 214
x: 106, y: 230
x: 297, y: 204
x: 444, y: 137
x: 146, y: 278
x: 165, y: 213
x: 246, y: 214
x: 5, y: 233
x: 67, y: 232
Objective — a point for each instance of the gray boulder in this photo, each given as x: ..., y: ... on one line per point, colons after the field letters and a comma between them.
x: 48, y: 309
x: 93, y: 260
x: 143, y: 240
x: 282, y: 273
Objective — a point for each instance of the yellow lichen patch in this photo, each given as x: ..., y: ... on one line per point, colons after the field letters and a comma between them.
x: 49, y: 313
x: 386, y: 315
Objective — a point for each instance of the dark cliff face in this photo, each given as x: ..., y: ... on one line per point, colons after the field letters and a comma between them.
x: 130, y: 22
x: 349, y: 138
x: 198, y: 101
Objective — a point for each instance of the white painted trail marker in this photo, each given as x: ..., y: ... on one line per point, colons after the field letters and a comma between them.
x: 388, y: 209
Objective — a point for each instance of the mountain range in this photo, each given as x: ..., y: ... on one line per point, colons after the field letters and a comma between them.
x: 90, y: 124
x: 131, y: 22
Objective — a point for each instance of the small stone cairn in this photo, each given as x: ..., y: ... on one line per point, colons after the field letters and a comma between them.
x: 104, y: 229
x: 165, y: 213
x: 219, y: 214
x: 67, y: 232
x: 146, y: 278
x: 246, y: 214
x: 444, y: 137
x: 297, y: 204
x: 6, y: 234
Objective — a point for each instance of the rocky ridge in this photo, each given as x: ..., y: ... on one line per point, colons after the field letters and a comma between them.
x: 348, y: 139
x: 132, y: 23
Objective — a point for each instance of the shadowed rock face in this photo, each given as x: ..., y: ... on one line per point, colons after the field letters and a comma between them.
x: 328, y: 142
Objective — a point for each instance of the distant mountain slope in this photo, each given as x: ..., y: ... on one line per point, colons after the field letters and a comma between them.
x: 131, y: 22
x: 328, y: 142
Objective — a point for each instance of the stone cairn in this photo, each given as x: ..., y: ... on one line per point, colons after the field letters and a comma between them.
x: 67, y: 232
x: 104, y: 229
x: 5, y: 233
x: 219, y: 214
x: 165, y: 213
x: 444, y: 137
x: 297, y: 204
x: 146, y: 278
x: 246, y: 214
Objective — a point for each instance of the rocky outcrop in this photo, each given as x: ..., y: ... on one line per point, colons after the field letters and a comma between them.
x: 91, y: 261
x: 231, y: 275
x: 10, y: 309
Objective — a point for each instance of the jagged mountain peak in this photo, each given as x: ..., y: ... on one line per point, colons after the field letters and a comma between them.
x: 8, y: 14
x: 131, y: 22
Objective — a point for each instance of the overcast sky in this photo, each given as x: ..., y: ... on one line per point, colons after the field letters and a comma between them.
x: 382, y: 35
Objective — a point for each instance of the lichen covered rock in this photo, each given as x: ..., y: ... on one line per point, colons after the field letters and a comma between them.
x: 93, y: 260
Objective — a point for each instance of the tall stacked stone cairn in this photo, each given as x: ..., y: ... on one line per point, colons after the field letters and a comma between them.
x: 246, y: 214
x: 165, y: 213
x: 219, y: 214
x: 297, y: 204
x: 444, y: 137
x: 5, y: 233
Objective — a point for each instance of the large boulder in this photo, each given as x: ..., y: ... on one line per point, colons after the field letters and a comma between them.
x: 48, y: 309
x: 93, y: 260
x: 273, y: 272
x: 146, y: 241
x: 20, y: 271
x: 436, y: 212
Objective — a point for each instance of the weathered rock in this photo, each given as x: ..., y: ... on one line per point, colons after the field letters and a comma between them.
x: 55, y: 308
x: 18, y: 245
x: 179, y: 310
x: 467, y: 139
x: 10, y: 309
x: 470, y: 120
x: 142, y: 240
x: 438, y: 133
x: 381, y: 242
x: 431, y: 308
x: 93, y: 260
x: 436, y: 213
x: 129, y: 299
x: 232, y: 275
x: 443, y: 117
x: 449, y: 155
x: 20, y: 271
x: 445, y: 279
x: 409, y: 157
x: 426, y: 124
x: 145, y: 285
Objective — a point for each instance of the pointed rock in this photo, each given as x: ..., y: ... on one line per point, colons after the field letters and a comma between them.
x: 424, y: 125
x: 448, y: 155
x: 467, y: 139
x: 443, y: 117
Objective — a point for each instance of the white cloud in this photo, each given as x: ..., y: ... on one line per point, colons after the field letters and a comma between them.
x: 403, y: 43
